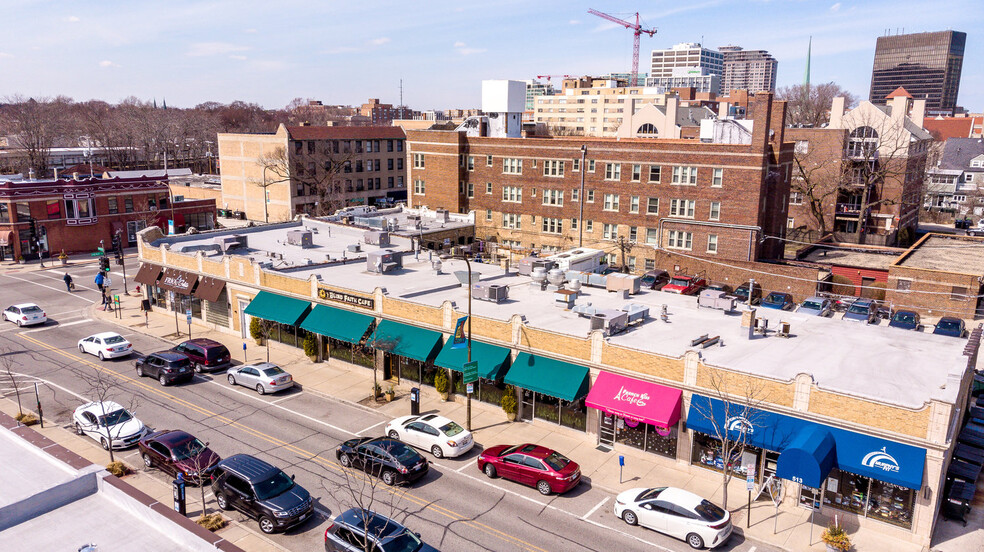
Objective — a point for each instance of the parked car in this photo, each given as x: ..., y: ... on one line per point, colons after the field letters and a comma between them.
x: 677, y: 513
x: 717, y: 286
x: 654, y: 279
x: 265, y: 377
x: 862, y: 310
x: 953, y: 327
x: 778, y: 300
x: 206, y: 355
x: 109, y: 424
x: 352, y: 528
x: 260, y: 491
x: 742, y: 293
x: 962, y: 223
x: 906, y: 320
x: 388, y: 459
x: 815, y: 306
x: 547, y: 470
x: 685, y: 285
x: 174, y: 451
x: 441, y: 436
x: 166, y: 367
x: 25, y: 314
x: 105, y: 345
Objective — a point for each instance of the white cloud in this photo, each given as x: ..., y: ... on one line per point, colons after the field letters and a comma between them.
x: 72, y: 19
x: 341, y: 50
x: 379, y: 41
x: 238, y: 57
x: 250, y: 31
x: 5, y: 55
x: 465, y: 51
x: 574, y: 22
x: 107, y: 63
x: 835, y: 7
x: 200, y: 49
x: 459, y: 44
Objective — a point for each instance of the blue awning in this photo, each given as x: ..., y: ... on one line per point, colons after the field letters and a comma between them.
x: 809, y: 444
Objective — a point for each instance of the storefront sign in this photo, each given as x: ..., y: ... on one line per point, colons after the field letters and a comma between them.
x: 178, y: 281
x: 740, y: 424
x: 880, y: 460
x: 347, y: 298
x: 624, y: 395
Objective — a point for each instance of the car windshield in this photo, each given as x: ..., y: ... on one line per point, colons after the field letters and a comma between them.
x: 557, y: 461
x: 709, y: 511
x: 905, y: 317
x: 32, y: 309
x: 651, y: 493
x: 275, y: 486
x: 509, y: 450
x: 188, y: 449
x: 404, y: 454
x: 948, y: 325
x: 451, y: 429
x: 403, y: 542
x: 858, y: 308
x: 742, y: 290
x: 115, y: 417
x: 680, y: 282
x: 274, y: 371
x: 812, y: 305
x: 648, y: 279
x: 114, y: 339
x: 774, y: 298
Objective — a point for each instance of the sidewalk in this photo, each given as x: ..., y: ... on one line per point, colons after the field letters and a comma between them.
x: 788, y: 528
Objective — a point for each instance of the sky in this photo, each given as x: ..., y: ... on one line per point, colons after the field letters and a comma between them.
x: 270, y: 52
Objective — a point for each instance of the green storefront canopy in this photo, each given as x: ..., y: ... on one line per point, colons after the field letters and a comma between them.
x: 491, y: 359
x: 407, y: 341
x: 339, y: 324
x: 551, y: 377
x: 277, y: 308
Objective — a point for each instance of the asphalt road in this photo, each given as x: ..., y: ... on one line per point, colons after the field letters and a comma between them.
x: 454, y: 508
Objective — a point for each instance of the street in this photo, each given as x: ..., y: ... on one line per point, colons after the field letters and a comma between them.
x: 455, y: 507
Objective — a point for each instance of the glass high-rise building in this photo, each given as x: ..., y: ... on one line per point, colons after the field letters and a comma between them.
x: 927, y: 65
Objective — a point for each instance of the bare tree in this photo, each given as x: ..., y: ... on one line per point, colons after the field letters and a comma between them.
x: 318, y: 172
x: 103, y: 386
x: 817, y: 177
x: 809, y: 104
x: 7, y: 365
x: 35, y: 125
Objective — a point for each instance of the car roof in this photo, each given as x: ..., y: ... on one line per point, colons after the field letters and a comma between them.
x: 816, y: 298
x: 951, y: 319
x: 204, y: 342
x: 170, y: 355
x: 261, y: 365
x: 97, y: 407
x: 534, y: 450
x: 435, y: 420
x: 379, y: 525
x: 680, y: 497
x: 22, y: 305
x: 104, y: 335
x: 863, y: 302
x: 172, y: 436
x: 248, y: 467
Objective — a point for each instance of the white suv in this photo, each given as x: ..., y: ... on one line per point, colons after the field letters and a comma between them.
x: 441, y: 436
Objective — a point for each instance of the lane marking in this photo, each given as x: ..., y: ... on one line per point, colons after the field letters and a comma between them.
x: 55, y: 385
x: 360, y: 432
x: 285, y: 398
x: 74, y: 311
x: 595, y: 509
x: 253, y: 396
x: 467, y: 465
x: 66, y: 324
x: 631, y: 536
x: 65, y: 291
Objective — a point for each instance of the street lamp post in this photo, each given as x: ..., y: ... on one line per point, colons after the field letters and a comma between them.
x: 463, y: 257
x: 266, y: 218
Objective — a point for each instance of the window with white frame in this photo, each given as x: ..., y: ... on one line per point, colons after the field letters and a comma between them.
x: 590, y: 198
x: 649, y: 264
x: 636, y: 173
x: 591, y: 165
x: 796, y: 198
x: 512, y: 194
x: 512, y: 221
x: 488, y: 160
x: 682, y: 208
x: 652, y: 206
x: 576, y: 165
x: 654, y: 173
x: 589, y: 226
x: 512, y: 165
x: 715, y: 213
x: 685, y: 176
x: 573, y: 224
x: 790, y: 223
x: 611, y: 202
x: 471, y: 189
x: 488, y: 215
x: 553, y: 197
x: 712, y: 243
x: 634, y: 204
x: 553, y: 167
x: 418, y: 186
x: 631, y: 262
x: 652, y: 236
x: 633, y: 233
x: 609, y: 231
x: 968, y: 177
x: 613, y: 171
x: 680, y: 240
x: 575, y: 194
x: 717, y: 177
x: 488, y: 188
x: 552, y: 225
x: 418, y: 160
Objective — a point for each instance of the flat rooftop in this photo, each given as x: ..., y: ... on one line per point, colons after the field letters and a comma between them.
x: 827, y: 255
x: 958, y: 254
x: 904, y: 368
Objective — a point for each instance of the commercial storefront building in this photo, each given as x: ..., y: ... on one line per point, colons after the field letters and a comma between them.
x: 871, y: 445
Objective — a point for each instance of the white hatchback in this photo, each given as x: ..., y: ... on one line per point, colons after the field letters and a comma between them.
x: 677, y: 513
x: 441, y: 436
x: 109, y: 424
x: 105, y: 345
x: 25, y: 314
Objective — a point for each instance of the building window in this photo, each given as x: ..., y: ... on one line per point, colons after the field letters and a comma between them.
x: 903, y: 284
x: 591, y: 165
x: 649, y: 264
x: 151, y: 204
x: 23, y: 211
x: 652, y: 206
x: 418, y: 187
x: 471, y: 189
x: 553, y: 225
x: 636, y: 173
x: 652, y: 236
x: 633, y: 233
x: 863, y: 142
x: 389, y: 164
x: 611, y: 202
x: 399, y: 145
x: 802, y: 146
x: 512, y: 194
x: 589, y: 226
x: 4, y: 213
x: 685, y: 176
x: 613, y: 171
x: 399, y: 163
x: 553, y: 197
x: 717, y: 177
x: 634, y: 204
x: 471, y: 162
x: 682, y: 208
x: 389, y: 146
x: 575, y: 194
x: 512, y: 165
x: 609, y: 231
x: 512, y: 221
x: 488, y: 188
x: 488, y: 215
x: 654, y: 173
x: 712, y: 243
x: 488, y: 160
x: 631, y: 262
x: 576, y: 165
x: 590, y: 198
x: 553, y: 167
x: 418, y: 160
x: 127, y: 204
x: 680, y: 240
x: 573, y: 224
x: 114, y: 206
x: 715, y: 211
x: 53, y: 208
x: 78, y: 208
x: 958, y: 293
x: 795, y: 198
x: 790, y: 223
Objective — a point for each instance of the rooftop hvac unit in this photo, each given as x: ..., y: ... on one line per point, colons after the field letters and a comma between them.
x: 383, y: 261
x: 228, y: 243
x: 354, y: 248
x: 484, y: 291
x: 441, y: 215
x: 300, y: 238
x: 527, y: 265
x: 377, y: 237
x: 612, y: 321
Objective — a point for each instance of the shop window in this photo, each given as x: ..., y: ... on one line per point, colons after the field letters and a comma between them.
x: 127, y: 205
x: 707, y: 452
x: 4, y: 212
x: 114, y: 206
x: 53, y: 209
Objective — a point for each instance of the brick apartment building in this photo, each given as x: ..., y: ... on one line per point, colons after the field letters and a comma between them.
x: 364, y: 164
x: 711, y: 200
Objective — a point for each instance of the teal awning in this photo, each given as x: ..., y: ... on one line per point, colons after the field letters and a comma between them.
x: 277, y: 308
x: 551, y: 377
x: 491, y: 359
x: 407, y: 341
x: 339, y: 324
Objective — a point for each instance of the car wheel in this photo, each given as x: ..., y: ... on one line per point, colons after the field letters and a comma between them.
x: 629, y: 517
x: 199, y: 368
x: 490, y: 471
x: 437, y: 451
x: 104, y: 443
x: 267, y: 525
x: 394, y: 435
x: 163, y: 380
x: 222, y: 501
x: 695, y: 542
x: 78, y: 429
x: 345, y: 461
x: 148, y: 463
x: 140, y: 372
x: 232, y: 380
x: 259, y: 389
x: 543, y: 487
x: 18, y: 322
x: 101, y: 357
x: 82, y: 349
x: 389, y: 477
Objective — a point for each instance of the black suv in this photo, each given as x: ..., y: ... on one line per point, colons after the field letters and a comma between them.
x: 207, y: 355
x: 349, y: 532
x: 260, y: 491
x: 388, y: 459
x: 166, y: 366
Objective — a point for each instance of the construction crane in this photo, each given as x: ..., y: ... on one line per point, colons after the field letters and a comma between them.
x: 548, y: 77
x: 636, y: 30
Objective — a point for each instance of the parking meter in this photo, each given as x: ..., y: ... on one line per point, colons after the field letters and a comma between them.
x: 178, y: 489
x: 415, y: 401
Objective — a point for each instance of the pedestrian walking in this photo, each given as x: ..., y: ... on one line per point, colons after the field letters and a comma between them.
x: 100, y: 279
x: 68, y: 282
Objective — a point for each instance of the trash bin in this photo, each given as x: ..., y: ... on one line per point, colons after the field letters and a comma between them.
x: 415, y: 401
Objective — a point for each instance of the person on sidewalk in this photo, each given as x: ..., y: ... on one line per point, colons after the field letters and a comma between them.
x: 68, y: 282
x: 107, y: 300
x: 99, y: 280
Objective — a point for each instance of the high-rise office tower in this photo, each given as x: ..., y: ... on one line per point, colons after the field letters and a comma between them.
x: 927, y: 65
x: 752, y: 70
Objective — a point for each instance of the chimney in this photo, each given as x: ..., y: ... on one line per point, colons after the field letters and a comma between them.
x: 670, y: 121
x: 30, y: 173
x: 900, y: 107
x: 778, y: 123
x: 761, y: 117
x: 918, y: 112
x: 723, y: 110
x: 837, y: 113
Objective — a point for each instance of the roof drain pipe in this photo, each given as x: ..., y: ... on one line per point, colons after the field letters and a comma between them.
x: 580, y: 199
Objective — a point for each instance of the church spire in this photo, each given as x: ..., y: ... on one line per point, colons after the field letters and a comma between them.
x: 806, y: 76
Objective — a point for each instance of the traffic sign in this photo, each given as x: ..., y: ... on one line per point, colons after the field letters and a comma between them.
x: 750, y: 482
x: 469, y: 372
x: 188, y: 314
x: 470, y: 388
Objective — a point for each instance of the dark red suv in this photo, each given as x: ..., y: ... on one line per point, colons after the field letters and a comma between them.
x: 207, y: 355
x: 174, y: 452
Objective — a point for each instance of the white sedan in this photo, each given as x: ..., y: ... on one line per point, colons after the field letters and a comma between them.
x: 25, y: 314
x: 105, y: 345
x: 108, y: 423
x: 265, y: 377
x: 677, y: 513
x: 441, y: 436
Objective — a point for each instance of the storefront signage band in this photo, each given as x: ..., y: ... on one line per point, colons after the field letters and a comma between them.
x: 347, y: 298
x: 176, y: 280
x: 880, y: 460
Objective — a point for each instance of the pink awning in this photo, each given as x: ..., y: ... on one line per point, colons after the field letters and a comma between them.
x: 635, y: 400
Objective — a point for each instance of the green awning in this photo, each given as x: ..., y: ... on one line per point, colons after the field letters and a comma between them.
x: 491, y: 359
x: 277, y: 308
x: 551, y: 377
x: 340, y: 324
x: 407, y: 341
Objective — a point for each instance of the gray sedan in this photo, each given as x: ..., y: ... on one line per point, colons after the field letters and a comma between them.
x: 265, y: 377
x: 815, y: 306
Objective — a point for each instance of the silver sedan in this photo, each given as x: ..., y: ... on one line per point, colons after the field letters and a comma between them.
x: 265, y: 377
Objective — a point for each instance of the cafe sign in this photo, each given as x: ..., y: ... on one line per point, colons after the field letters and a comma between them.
x: 347, y: 298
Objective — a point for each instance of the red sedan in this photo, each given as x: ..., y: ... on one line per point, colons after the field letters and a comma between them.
x: 547, y: 470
